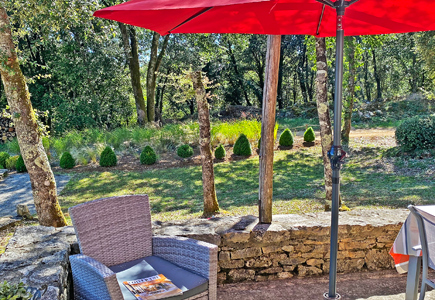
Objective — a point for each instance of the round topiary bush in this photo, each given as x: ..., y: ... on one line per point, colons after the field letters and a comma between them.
x: 309, y: 135
x: 185, y: 151
x: 3, y: 157
x: 11, y: 162
x: 220, y: 152
x: 108, y: 158
x: 416, y: 133
x: 148, y: 156
x: 20, y: 166
x: 286, y: 138
x: 242, y: 146
x: 67, y: 161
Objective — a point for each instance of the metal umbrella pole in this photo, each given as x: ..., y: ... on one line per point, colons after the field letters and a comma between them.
x: 336, y: 154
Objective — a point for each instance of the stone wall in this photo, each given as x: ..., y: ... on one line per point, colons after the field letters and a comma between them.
x: 7, y: 129
x: 293, y: 245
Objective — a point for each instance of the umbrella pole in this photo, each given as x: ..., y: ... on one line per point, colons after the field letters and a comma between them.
x: 336, y: 154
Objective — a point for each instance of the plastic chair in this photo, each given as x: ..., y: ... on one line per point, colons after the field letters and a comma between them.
x: 115, y: 239
x: 427, y: 247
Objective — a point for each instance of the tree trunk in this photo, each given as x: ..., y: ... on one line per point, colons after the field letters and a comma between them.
x: 377, y: 77
x: 280, y: 75
x: 131, y: 53
x: 324, y: 118
x: 153, y: 68
x: 29, y: 139
x: 351, y: 91
x: 267, y: 127
x: 238, y: 75
x: 211, y: 205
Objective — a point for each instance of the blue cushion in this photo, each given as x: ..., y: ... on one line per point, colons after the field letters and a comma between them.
x: 190, y: 283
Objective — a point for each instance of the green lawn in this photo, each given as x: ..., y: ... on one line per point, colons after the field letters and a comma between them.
x: 367, y: 182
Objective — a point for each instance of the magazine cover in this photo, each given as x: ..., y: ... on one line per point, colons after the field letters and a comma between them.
x: 154, y: 287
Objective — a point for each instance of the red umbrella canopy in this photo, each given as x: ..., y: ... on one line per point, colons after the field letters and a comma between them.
x: 273, y: 16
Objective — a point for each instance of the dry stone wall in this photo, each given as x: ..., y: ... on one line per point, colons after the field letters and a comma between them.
x: 7, y: 129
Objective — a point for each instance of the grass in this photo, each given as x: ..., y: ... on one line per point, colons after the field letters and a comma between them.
x: 368, y: 181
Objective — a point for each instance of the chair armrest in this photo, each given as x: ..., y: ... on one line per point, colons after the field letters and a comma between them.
x: 93, y: 280
x: 417, y: 248
x: 196, y: 256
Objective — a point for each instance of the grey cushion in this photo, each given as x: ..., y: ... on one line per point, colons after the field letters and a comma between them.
x: 190, y: 283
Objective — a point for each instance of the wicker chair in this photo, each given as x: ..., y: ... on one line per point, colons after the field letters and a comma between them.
x: 115, y: 239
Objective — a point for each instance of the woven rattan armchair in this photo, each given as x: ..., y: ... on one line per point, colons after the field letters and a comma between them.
x: 115, y: 239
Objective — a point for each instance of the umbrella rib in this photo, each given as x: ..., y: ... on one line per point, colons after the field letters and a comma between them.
x: 191, y: 18
x: 326, y: 2
x: 320, y: 19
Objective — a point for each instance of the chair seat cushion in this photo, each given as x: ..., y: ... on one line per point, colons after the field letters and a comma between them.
x: 190, y: 283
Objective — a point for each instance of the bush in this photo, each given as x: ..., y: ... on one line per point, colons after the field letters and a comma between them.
x: 220, y: 152
x: 185, y: 151
x: 242, y: 146
x: 286, y: 138
x: 148, y: 156
x: 3, y: 157
x: 20, y: 166
x: 416, y: 133
x: 309, y: 135
x: 108, y: 158
x: 67, y: 161
x: 11, y: 162
x: 259, y: 143
x: 14, y: 291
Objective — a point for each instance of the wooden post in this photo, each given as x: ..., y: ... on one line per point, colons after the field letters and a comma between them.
x: 211, y: 205
x: 267, y: 127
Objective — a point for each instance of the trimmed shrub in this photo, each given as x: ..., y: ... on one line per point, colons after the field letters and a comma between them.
x: 286, y: 138
x: 309, y: 135
x: 185, y: 151
x: 67, y: 161
x: 416, y: 133
x: 108, y: 158
x: 220, y: 152
x: 20, y: 166
x: 148, y: 156
x: 11, y: 162
x: 3, y: 157
x: 242, y: 146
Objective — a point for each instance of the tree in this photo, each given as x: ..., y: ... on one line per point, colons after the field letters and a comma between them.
x: 323, y: 112
x: 29, y: 138
x: 211, y: 205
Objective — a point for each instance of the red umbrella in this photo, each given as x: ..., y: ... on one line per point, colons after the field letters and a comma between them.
x: 320, y: 18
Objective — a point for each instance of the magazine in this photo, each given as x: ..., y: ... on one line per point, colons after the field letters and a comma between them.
x: 154, y: 287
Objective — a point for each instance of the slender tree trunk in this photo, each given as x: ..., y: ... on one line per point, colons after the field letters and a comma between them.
x: 29, y: 139
x: 211, y: 205
x: 153, y: 68
x: 377, y: 77
x: 131, y: 53
x: 239, y: 76
x: 324, y: 118
x: 267, y: 127
x: 280, y: 75
x: 351, y: 91
x: 368, y: 90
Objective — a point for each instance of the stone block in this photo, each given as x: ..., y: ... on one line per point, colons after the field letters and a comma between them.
x: 270, y: 249
x: 356, y: 245
x: 288, y: 268
x: 241, y: 275
x: 235, y: 237
x: 303, y: 248
x: 245, y: 253
x: 261, y: 278
x: 272, y: 270
x: 308, y: 271
x: 284, y: 275
x: 312, y: 255
x: 288, y: 248
x: 377, y: 259
x: 260, y: 262
x: 224, y: 255
x: 221, y: 277
x: 315, y: 262
x: 232, y: 264
x: 386, y: 239
x: 292, y: 261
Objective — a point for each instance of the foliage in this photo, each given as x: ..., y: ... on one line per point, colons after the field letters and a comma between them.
x: 20, y: 166
x: 242, y: 146
x: 185, y: 151
x: 108, y: 158
x: 416, y: 133
x: 148, y: 156
x: 11, y: 162
x: 67, y: 161
x: 3, y: 157
x: 259, y: 143
x: 220, y: 152
x: 286, y: 138
x: 10, y: 291
x: 309, y: 135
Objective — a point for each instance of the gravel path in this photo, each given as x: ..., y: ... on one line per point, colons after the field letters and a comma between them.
x: 16, y: 189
